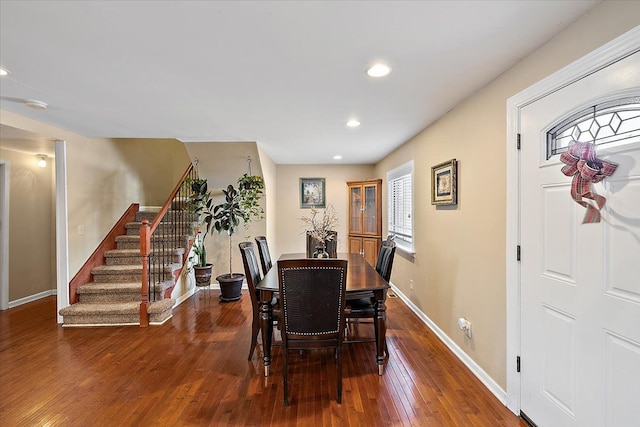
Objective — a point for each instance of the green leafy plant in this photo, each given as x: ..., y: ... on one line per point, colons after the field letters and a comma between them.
x: 240, y: 204
x: 199, y: 204
x: 250, y: 191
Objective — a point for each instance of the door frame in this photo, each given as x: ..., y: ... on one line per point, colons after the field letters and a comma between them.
x: 4, y: 235
x: 62, y: 229
x: 624, y: 45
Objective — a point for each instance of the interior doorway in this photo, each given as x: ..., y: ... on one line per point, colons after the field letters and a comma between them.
x: 28, y: 254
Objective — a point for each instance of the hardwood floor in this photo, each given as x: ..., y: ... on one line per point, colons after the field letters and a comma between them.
x: 193, y: 371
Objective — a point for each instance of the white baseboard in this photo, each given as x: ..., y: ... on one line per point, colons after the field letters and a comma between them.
x: 182, y: 298
x: 32, y: 298
x: 460, y: 354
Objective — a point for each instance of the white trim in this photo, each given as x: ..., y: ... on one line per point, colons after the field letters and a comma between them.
x: 91, y: 325
x: 480, y: 373
x: 62, y: 228
x: 182, y: 298
x: 406, y: 168
x: 4, y: 235
x: 32, y: 298
x: 600, y: 58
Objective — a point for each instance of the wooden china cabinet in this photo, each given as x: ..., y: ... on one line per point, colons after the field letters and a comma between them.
x: 365, y: 218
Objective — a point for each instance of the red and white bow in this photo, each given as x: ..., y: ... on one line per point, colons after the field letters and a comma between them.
x: 581, y: 162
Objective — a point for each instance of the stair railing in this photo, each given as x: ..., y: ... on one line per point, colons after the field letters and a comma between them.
x: 157, y: 244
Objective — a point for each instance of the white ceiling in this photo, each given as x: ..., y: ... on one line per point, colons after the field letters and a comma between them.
x: 285, y: 74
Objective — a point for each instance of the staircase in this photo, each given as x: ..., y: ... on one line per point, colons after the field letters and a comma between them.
x: 114, y: 295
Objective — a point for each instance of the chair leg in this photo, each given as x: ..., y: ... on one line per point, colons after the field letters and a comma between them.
x: 339, y: 354
x: 285, y: 387
x: 255, y: 329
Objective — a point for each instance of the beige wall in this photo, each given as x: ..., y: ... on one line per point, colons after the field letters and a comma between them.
x: 222, y: 163
x: 270, y: 174
x: 459, y: 268
x: 104, y: 177
x: 32, y: 268
x: 290, y: 230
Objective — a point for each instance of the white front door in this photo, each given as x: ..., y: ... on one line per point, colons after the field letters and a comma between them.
x: 580, y: 283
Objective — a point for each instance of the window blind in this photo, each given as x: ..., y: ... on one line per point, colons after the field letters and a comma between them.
x: 400, y: 205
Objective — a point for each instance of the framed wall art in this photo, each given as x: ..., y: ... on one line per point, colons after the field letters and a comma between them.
x: 312, y: 193
x: 444, y: 183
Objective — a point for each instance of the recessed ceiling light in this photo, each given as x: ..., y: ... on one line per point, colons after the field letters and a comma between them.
x: 38, y: 105
x: 3, y: 72
x: 353, y: 123
x: 378, y: 70
x: 42, y: 160
x: 337, y: 157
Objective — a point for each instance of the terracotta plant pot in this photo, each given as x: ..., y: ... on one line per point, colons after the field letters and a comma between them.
x: 230, y: 286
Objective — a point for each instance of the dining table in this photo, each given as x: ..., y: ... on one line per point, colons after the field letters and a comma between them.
x: 362, y: 279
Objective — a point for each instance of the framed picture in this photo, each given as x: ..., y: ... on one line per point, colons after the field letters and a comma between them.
x: 444, y: 183
x: 312, y: 193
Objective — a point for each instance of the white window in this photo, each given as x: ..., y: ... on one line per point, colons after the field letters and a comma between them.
x: 400, y: 205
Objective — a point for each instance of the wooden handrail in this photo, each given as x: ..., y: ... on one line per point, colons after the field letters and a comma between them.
x: 169, y: 201
x: 153, y: 267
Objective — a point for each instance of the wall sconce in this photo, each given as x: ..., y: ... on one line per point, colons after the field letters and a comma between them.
x: 42, y: 160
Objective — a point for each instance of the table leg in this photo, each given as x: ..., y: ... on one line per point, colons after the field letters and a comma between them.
x: 266, y: 324
x: 380, y: 322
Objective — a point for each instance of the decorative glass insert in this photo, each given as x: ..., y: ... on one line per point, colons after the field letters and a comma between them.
x: 613, y: 123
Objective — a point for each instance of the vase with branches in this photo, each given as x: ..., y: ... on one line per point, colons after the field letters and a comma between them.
x: 321, y: 227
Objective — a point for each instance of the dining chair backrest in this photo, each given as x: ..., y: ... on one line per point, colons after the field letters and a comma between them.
x: 312, y: 297
x: 251, y: 269
x: 312, y: 303
x: 265, y: 256
x: 386, y: 254
x: 252, y: 273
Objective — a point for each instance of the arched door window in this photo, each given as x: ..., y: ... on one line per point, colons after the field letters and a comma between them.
x: 612, y: 123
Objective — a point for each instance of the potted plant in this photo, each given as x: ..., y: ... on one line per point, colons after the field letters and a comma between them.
x: 199, y: 205
x: 239, y: 204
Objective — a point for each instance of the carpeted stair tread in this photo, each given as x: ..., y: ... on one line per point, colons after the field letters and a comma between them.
x: 117, y: 269
x: 110, y: 288
x: 135, y: 253
x: 157, y: 307
x: 101, y: 309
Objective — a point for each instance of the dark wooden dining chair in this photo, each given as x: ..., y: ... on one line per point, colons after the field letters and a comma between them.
x: 312, y: 303
x: 265, y: 256
x: 363, y: 305
x: 252, y: 273
x: 384, y: 263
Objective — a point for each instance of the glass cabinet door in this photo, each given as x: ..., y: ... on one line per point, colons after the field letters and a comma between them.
x: 370, y: 210
x: 355, y: 200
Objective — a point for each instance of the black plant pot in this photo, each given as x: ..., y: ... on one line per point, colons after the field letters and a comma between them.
x: 230, y: 286
x: 203, y: 275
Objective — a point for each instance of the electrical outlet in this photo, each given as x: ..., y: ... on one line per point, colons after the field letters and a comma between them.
x: 411, y: 284
x: 465, y: 326
x: 81, y: 230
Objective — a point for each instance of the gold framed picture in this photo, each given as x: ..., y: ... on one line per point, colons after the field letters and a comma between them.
x: 444, y: 183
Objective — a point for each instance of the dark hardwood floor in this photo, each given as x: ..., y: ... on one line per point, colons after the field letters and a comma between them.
x: 193, y: 371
